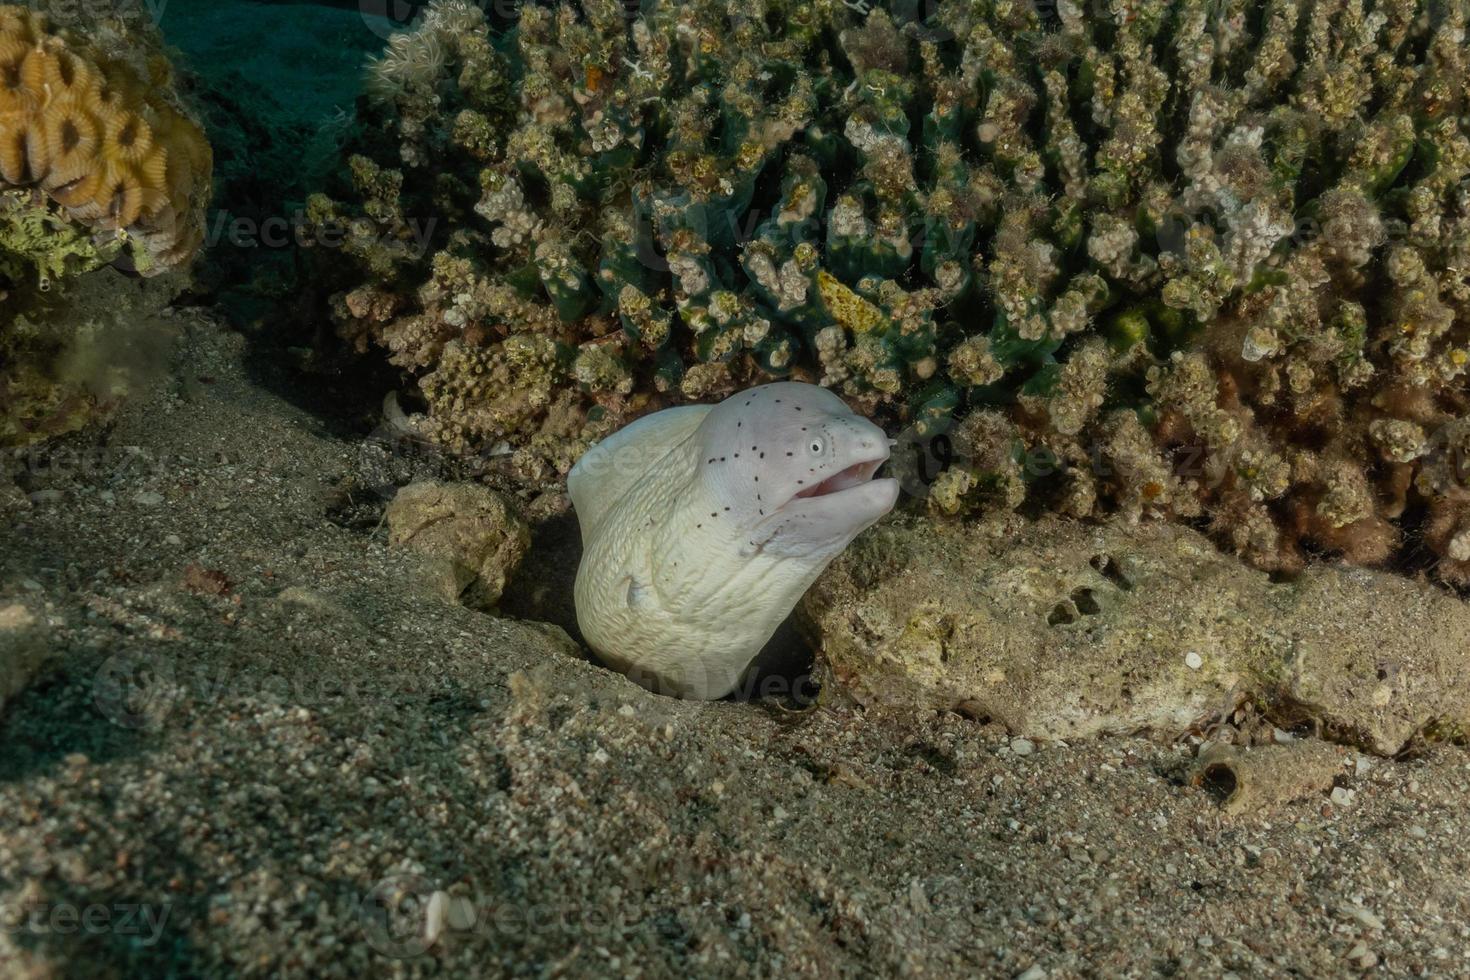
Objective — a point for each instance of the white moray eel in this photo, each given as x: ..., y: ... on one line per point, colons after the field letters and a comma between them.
x: 703, y: 525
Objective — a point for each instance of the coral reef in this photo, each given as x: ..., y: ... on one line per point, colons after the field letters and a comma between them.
x: 99, y: 133
x: 1058, y: 629
x: 99, y: 165
x: 1206, y: 261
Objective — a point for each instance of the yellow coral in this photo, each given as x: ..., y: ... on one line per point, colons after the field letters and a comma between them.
x: 846, y: 306
x: 100, y: 140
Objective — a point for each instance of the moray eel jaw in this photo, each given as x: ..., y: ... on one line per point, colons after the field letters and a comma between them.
x: 855, y: 475
x: 822, y: 518
x: 834, y: 518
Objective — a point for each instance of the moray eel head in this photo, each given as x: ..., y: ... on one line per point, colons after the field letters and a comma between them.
x: 792, y: 466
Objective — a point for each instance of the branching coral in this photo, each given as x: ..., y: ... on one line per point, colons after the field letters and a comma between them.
x: 1207, y: 260
x: 103, y: 139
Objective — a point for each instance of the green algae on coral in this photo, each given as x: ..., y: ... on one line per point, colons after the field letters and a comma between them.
x: 39, y: 245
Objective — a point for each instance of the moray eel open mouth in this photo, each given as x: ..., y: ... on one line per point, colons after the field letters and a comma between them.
x: 855, y: 475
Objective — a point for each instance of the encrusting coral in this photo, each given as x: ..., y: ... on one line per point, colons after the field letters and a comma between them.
x: 102, y: 138
x: 1202, y: 260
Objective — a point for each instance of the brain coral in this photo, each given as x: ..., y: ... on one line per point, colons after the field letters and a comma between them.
x: 1206, y: 260
x: 103, y: 139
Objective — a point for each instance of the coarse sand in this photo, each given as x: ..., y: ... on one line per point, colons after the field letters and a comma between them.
x: 261, y: 744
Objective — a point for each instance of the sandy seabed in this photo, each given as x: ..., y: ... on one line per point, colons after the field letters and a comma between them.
x: 260, y: 745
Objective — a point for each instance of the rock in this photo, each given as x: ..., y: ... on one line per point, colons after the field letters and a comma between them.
x: 1362, y: 916
x: 24, y: 650
x: 1267, y: 776
x: 12, y: 497
x: 1058, y: 629
x: 1362, y: 957
x: 315, y: 602
x: 471, y: 535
